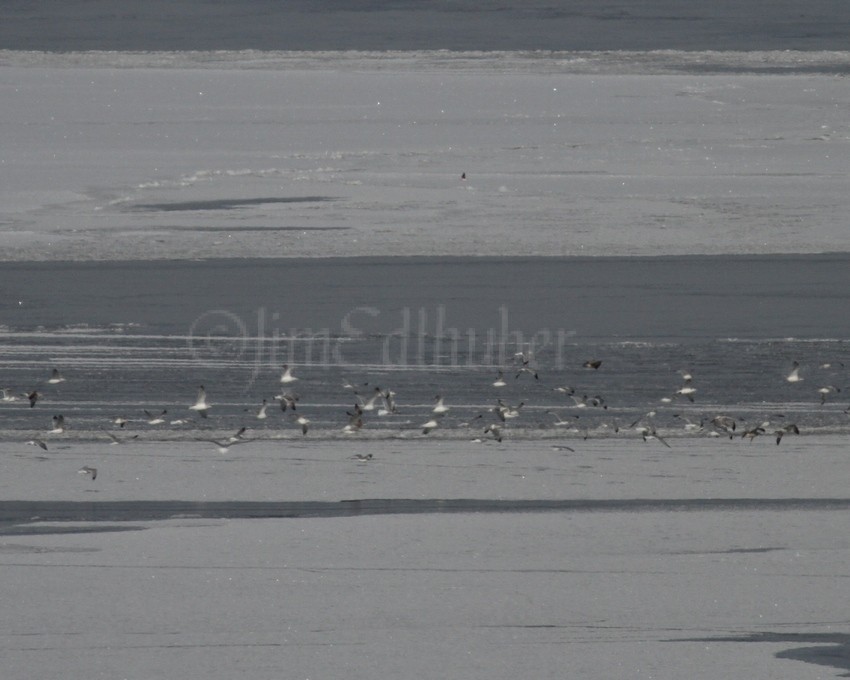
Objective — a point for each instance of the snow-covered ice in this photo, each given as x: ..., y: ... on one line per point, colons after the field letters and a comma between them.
x: 711, y: 591
x: 169, y: 155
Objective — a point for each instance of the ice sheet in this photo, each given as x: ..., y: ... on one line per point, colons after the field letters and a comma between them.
x: 714, y: 591
x: 167, y: 155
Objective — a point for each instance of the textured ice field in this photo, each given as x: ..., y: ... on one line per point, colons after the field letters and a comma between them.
x: 169, y: 155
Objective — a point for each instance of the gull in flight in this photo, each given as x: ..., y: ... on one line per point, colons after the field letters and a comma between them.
x: 500, y: 381
x: 525, y: 361
x: 37, y: 442
x: 389, y: 403
x: 495, y: 430
x: 286, y: 376
x: 794, y: 375
x: 200, y: 404
x: 362, y: 457
x: 118, y: 440
x: 355, y: 421
x: 754, y: 432
x: 687, y: 391
x: 560, y: 422
x: 369, y: 404
x: 439, y: 406
x: 791, y: 428
x: 119, y: 421
x: 431, y: 424
x: 58, y: 425
x: 86, y: 470
x: 586, y: 401
x: 6, y: 396
x: 33, y: 397
x: 261, y: 414
x: 287, y: 400
x: 56, y: 377
x: 725, y: 424
x: 525, y: 369
x: 648, y: 432
x: 223, y: 445
x: 691, y: 426
x: 649, y: 416
x: 592, y: 363
x: 303, y: 422
x: 155, y: 419
x: 504, y: 411
x: 827, y: 390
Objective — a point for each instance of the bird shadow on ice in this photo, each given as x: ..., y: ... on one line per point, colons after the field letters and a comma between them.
x: 831, y: 650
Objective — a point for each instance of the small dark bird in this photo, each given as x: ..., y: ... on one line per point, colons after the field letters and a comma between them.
x: 303, y: 422
x: 788, y: 429
x: 649, y: 433
x: 525, y: 369
x: 753, y: 432
x: 119, y: 440
x: 287, y: 400
x: 495, y: 430
x: 58, y: 424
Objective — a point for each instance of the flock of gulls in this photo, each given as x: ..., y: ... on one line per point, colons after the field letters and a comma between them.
x: 492, y: 423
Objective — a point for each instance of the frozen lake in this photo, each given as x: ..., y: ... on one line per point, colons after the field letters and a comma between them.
x: 562, y: 546
x: 175, y: 219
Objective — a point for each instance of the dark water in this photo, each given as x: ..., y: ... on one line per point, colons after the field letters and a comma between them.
x: 143, y: 335
x: 16, y: 516
x: 414, y: 25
